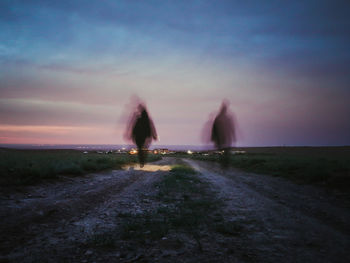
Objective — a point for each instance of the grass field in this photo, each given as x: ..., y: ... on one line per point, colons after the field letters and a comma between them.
x: 187, y: 206
x: 328, y: 166
x: 21, y: 167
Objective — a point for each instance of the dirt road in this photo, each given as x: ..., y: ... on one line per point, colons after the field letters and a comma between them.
x: 279, y: 221
x: 286, y: 222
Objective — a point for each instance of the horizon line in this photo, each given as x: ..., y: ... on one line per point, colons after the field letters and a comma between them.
x: 196, y: 145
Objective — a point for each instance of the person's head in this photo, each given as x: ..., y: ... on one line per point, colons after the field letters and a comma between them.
x: 224, y: 105
x: 141, y: 108
x: 144, y: 114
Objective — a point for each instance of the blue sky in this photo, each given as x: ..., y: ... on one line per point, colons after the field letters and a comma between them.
x: 68, y: 68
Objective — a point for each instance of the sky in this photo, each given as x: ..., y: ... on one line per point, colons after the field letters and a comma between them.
x: 68, y: 70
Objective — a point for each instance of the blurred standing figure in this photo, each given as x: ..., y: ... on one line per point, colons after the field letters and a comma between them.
x: 223, y: 132
x: 142, y: 133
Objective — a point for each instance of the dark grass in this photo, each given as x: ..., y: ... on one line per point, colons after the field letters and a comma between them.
x: 25, y: 167
x: 327, y: 166
x: 186, y: 206
x: 189, y: 206
x: 101, y: 240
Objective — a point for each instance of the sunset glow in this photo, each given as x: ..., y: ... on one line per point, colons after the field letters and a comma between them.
x: 69, y: 68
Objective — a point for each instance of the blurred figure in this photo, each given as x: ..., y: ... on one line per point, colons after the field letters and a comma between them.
x: 141, y: 131
x: 223, y: 133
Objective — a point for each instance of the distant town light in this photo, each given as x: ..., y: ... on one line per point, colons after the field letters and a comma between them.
x: 189, y: 152
x: 133, y: 151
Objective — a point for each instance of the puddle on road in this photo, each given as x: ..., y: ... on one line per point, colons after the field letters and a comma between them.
x: 147, y: 167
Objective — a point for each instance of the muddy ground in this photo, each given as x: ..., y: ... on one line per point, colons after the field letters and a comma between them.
x: 274, y: 220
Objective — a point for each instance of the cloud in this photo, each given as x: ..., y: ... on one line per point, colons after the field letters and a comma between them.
x: 36, y: 112
x: 75, y: 63
x: 46, y: 134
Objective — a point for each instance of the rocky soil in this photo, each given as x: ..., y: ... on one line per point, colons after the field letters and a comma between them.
x: 79, y: 219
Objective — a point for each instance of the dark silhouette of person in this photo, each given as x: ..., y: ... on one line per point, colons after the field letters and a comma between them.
x: 142, y: 133
x: 223, y: 133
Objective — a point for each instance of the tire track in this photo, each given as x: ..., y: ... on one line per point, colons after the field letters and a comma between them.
x: 278, y: 230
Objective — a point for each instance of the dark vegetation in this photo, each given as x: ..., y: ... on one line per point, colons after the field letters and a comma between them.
x: 327, y: 166
x: 186, y: 206
x: 23, y: 167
